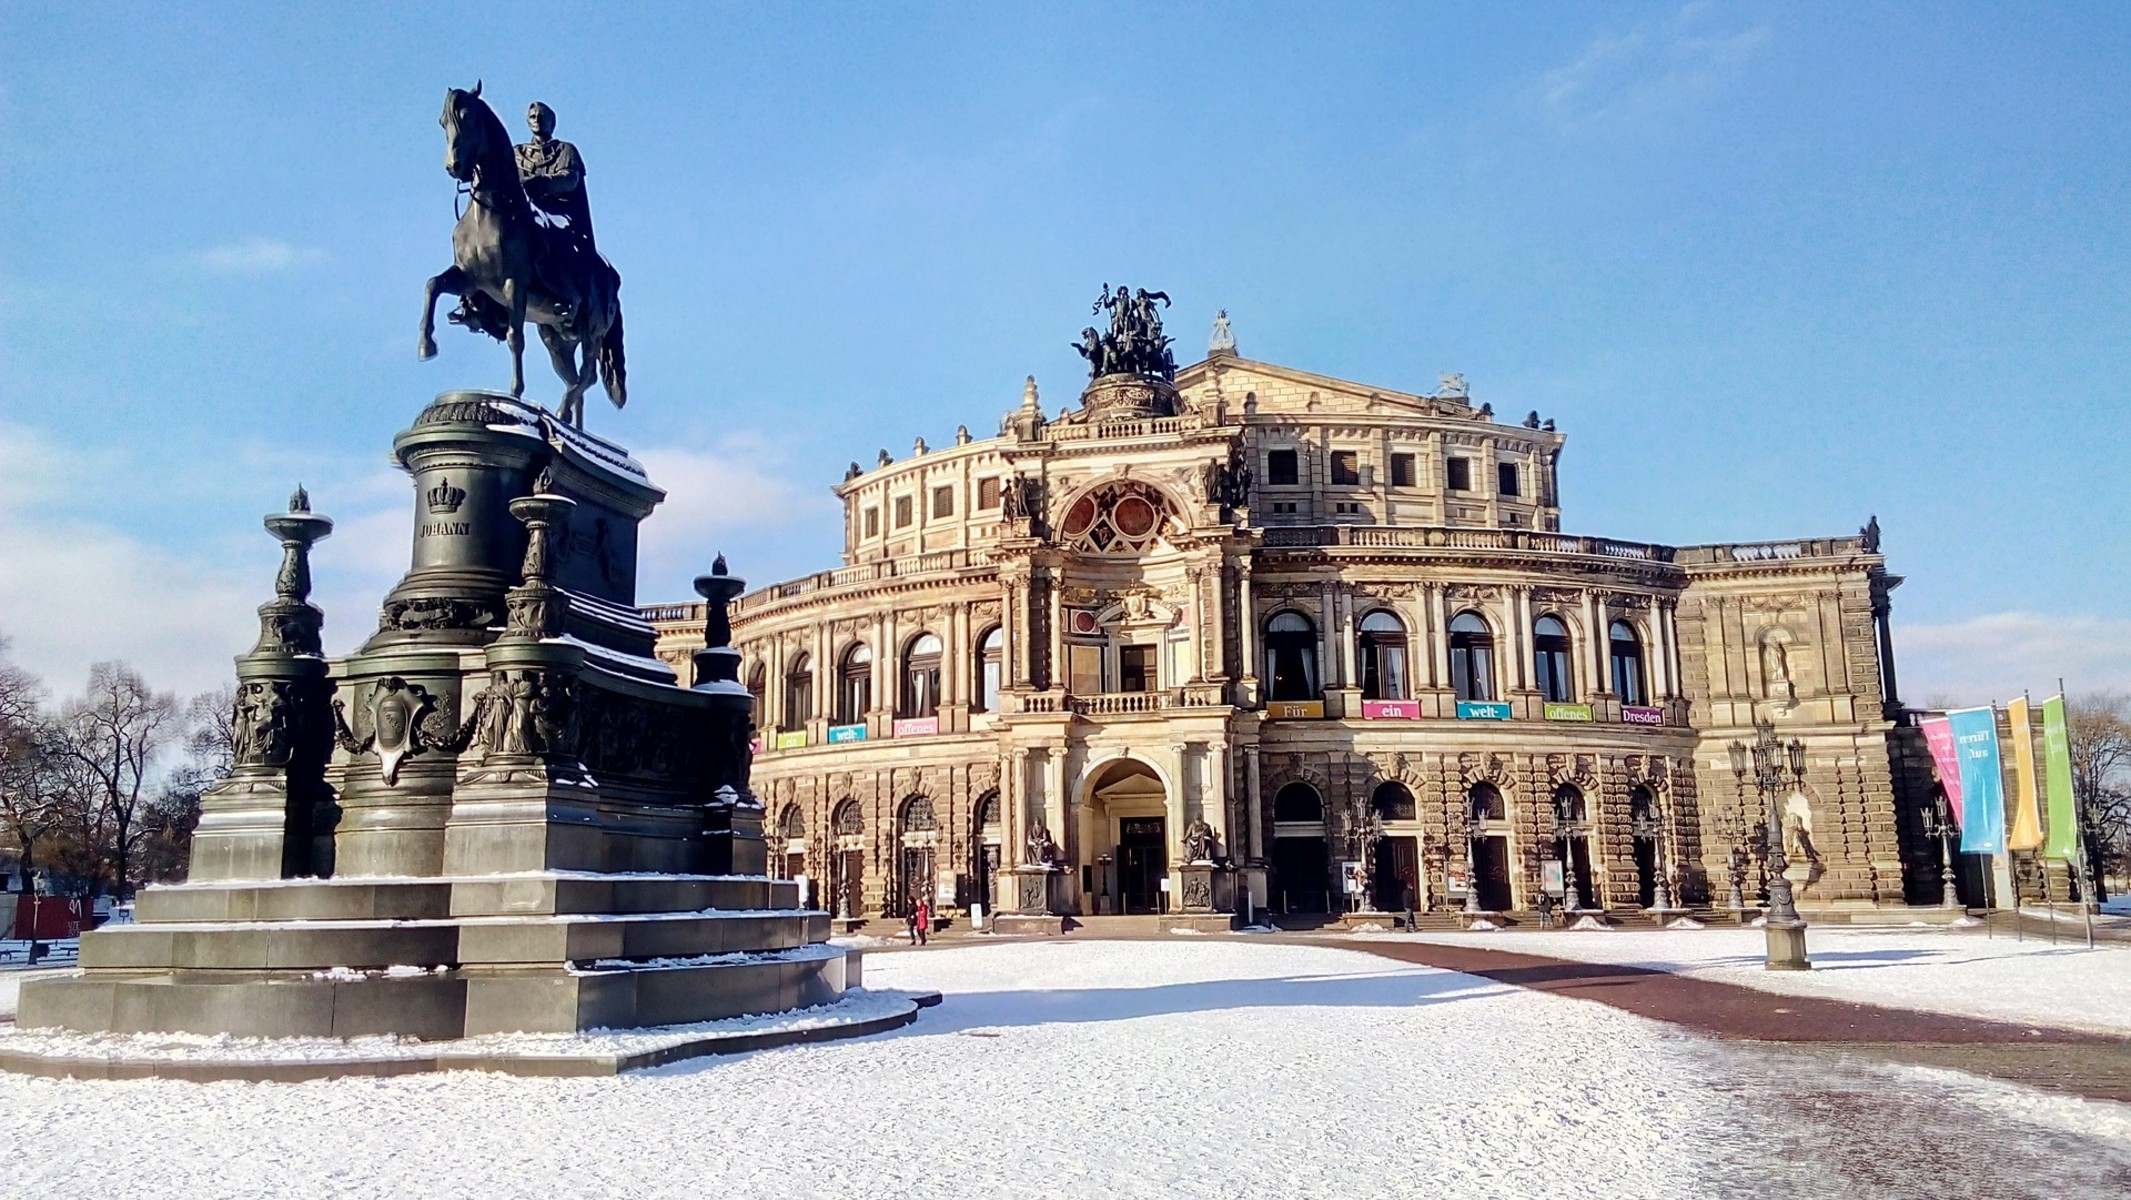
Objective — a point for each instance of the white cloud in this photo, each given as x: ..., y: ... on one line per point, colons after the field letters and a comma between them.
x: 1652, y: 69
x: 1997, y: 656
x: 714, y: 497
x: 258, y: 256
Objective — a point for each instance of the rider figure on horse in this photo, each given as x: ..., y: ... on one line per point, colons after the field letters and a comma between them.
x: 554, y: 176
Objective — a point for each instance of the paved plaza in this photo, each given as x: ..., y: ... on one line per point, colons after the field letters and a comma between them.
x: 1240, y: 1065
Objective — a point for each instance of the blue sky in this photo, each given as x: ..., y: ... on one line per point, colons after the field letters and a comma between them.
x: 1773, y: 268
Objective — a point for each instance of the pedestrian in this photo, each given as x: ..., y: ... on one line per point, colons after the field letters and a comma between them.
x: 910, y: 918
x: 923, y: 918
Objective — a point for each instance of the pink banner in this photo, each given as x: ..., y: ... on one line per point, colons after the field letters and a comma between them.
x: 1391, y: 710
x: 1938, y: 735
x: 917, y: 726
x: 1637, y: 714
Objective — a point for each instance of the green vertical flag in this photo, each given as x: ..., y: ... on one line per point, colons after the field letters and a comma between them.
x: 2057, y: 780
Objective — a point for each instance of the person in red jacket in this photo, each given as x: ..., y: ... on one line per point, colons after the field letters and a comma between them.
x: 921, y: 920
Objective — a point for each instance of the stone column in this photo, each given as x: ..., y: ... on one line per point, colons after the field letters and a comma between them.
x: 1513, y: 674
x: 1439, y: 637
x: 1247, y: 627
x: 1253, y: 809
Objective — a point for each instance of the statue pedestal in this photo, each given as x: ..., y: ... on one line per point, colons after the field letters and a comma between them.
x: 1033, y: 901
x: 1206, y: 900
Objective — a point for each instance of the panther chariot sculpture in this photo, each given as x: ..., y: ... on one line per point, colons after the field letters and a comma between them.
x: 523, y: 249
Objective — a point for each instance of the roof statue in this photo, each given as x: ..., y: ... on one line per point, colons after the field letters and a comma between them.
x: 1452, y: 386
x: 1135, y: 344
x: 1223, y: 340
x: 523, y: 250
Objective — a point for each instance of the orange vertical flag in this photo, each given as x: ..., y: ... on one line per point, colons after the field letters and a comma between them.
x: 2027, y: 811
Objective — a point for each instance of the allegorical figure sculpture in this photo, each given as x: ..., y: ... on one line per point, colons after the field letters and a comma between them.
x: 523, y: 250
x: 1135, y: 343
x: 1198, y: 842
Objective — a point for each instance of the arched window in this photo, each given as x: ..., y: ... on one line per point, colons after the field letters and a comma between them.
x: 1485, y: 802
x: 921, y: 677
x: 991, y: 668
x: 988, y: 811
x: 758, y: 686
x: 849, y: 821
x: 1298, y: 802
x: 1569, y: 804
x: 1550, y: 660
x: 1394, y: 802
x: 1382, y: 650
x: 1472, y: 657
x: 799, y: 693
x: 1291, y: 657
x: 854, y: 684
x: 794, y: 823
x: 918, y: 816
x: 1627, y: 658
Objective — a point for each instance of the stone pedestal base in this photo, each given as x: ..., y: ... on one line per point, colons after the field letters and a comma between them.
x: 1027, y: 925
x: 1215, y: 922
x: 444, y: 958
x: 1786, y: 948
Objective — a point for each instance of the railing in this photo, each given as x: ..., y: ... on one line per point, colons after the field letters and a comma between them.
x: 1111, y: 704
x: 861, y: 573
x: 1772, y: 551
x: 1143, y: 427
x: 661, y: 614
x: 1456, y: 538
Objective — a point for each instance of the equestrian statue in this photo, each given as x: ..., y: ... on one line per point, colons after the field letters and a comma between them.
x: 523, y: 249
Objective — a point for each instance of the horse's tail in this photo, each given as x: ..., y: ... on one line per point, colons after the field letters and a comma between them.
x: 613, y: 364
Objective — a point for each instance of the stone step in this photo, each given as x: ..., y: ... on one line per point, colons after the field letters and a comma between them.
x: 431, y: 1007
x: 287, y: 946
x: 539, y: 894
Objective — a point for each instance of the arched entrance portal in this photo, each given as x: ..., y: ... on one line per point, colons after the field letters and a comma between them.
x: 1302, y: 880
x: 1128, y: 828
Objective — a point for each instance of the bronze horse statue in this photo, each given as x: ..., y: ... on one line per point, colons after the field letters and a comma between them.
x: 507, y: 266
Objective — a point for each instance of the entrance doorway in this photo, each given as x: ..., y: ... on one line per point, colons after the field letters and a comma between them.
x: 849, y: 883
x: 1142, y: 862
x: 1491, y: 876
x: 1302, y: 875
x: 1398, y: 873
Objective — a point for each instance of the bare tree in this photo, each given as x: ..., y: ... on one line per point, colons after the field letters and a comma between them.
x: 2098, y: 727
x: 115, y: 731
x: 25, y: 814
x: 173, y: 813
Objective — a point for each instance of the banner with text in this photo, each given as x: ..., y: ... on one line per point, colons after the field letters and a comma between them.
x: 1483, y: 710
x: 1975, y: 735
x: 2057, y: 779
x: 2026, y: 810
x: 1938, y: 738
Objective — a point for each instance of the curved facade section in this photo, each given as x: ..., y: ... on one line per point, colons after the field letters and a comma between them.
x: 1323, y: 637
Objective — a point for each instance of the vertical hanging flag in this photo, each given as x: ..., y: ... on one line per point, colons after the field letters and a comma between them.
x: 2057, y: 775
x: 1975, y: 736
x: 1938, y: 738
x: 2026, y: 810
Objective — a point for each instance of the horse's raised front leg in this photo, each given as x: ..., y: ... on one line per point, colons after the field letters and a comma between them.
x: 514, y: 299
x: 451, y: 280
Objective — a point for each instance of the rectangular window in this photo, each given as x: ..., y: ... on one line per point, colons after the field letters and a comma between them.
x: 1085, y: 662
x: 873, y: 522
x: 1135, y: 669
x: 1346, y: 507
x: 1402, y: 470
x: 902, y: 511
x: 1506, y: 478
x: 1283, y: 508
x: 1458, y: 476
x: 943, y: 502
x: 988, y: 493
x: 1346, y: 468
x: 1280, y: 468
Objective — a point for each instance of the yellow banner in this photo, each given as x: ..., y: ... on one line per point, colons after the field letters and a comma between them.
x: 2027, y: 814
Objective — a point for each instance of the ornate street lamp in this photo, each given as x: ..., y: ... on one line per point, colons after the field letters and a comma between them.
x: 1474, y: 827
x: 1367, y: 830
x: 1567, y: 828
x: 1774, y: 764
x: 1939, y: 824
x: 1649, y: 826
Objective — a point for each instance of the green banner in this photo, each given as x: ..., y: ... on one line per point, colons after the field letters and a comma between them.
x: 1567, y: 712
x: 2057, y: 781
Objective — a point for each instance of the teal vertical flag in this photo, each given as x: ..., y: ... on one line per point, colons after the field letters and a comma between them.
x: 1975, y: 738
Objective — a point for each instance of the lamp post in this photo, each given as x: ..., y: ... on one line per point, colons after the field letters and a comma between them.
x: 1368, y: 830
x: 1474, y: 827
x: 1649, y: 826
x: 1939, y: 823
x: 1773, y: 764
x: 1568, y: 828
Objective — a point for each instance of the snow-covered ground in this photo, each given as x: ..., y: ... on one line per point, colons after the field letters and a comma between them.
x: 1192, y: 1067
x: 1936, y: 969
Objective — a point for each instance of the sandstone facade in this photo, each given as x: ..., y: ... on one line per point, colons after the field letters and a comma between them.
x: 1335, y: 623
